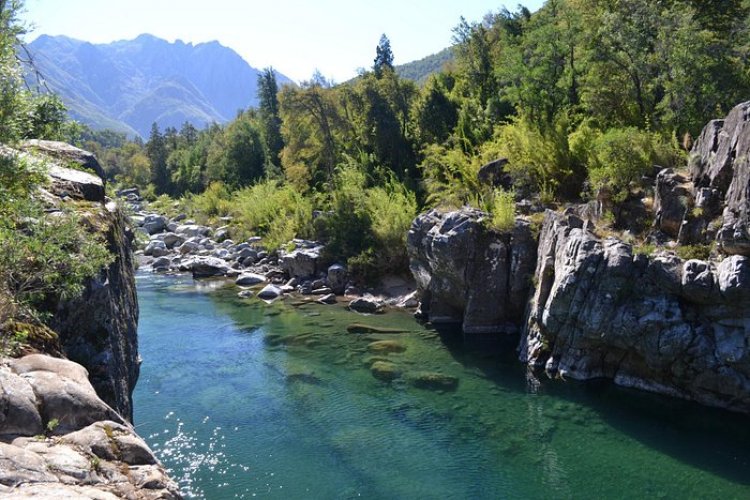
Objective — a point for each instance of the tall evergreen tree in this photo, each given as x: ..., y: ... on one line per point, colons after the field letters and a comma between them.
x: 270, y: 122
x: 156, y: 149
x: 383, y: 56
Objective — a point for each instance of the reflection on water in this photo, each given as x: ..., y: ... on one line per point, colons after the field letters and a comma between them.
x: 242, y: 399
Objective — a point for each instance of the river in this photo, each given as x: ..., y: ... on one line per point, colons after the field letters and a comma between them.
x: 241, y: 399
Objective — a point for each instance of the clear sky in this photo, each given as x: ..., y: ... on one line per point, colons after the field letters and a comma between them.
x: 294, y: 36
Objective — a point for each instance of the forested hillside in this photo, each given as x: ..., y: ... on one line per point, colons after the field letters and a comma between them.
x: 582, y: 98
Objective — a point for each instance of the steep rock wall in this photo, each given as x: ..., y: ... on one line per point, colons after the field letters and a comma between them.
x: 652, y: 322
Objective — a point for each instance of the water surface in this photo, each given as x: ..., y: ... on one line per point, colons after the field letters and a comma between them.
x: 241, y: 399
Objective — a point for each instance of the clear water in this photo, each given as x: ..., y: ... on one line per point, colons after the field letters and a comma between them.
x: 236, y: 412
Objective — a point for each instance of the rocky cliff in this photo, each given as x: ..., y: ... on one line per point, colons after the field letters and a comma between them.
x: 64, y: 423
x: 600, y: 308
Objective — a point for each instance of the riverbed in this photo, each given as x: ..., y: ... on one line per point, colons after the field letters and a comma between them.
x: 243, y: 399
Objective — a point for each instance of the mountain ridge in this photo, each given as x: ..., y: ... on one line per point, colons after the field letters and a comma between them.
x: 126, y: 85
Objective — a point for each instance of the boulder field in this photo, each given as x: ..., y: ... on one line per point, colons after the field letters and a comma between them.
x: 580, y: 306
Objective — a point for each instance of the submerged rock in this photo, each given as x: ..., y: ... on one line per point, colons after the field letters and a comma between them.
x: 385, y: 371
x: 433, y: 381
x: 362, y: 328
x: 386, y: 346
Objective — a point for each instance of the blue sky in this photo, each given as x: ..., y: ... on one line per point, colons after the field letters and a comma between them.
x: 294, y: 36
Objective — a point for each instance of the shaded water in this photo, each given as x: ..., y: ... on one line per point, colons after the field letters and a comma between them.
x: 241, y: 399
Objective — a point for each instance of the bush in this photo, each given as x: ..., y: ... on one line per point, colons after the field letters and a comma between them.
x: 277, y: 212
x: 367, y: 227
x: 449, y: 176
x: 538, y: 160
x: 212, y: 203
x: 618, y: 158
x: 503, y: 216
x: 43, y: 257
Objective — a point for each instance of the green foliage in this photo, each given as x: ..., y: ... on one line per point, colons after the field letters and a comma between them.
x: 503, y: 214
x: 699, y: 252
x: 44, y: 257
x: 269, y: 119
x: 276, y: 212
x: 540, y: 160
x: 383, y: 56
x: 620, y: 157
x: 449, y: 176
x: 212, y: 203
x: 52, y: 425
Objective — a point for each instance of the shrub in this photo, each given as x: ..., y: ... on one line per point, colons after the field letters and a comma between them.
x: 43, y: 257
x: 618, y: 158
x: 449, y: 176
x: 277, y: 212
x: 538, y: 160
x: 212, y: 203
x: 503, y: 214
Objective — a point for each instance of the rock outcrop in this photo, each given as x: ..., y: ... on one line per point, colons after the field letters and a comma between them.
x: 58, y: 439
x: 469, y: 274
x: 652, y: 322
x: 64, y: 423
x: 98, y: 329
x: 599, y: 308
x: 711, y: 202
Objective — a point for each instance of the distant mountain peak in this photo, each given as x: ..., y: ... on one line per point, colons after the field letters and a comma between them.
x: 128, y: 84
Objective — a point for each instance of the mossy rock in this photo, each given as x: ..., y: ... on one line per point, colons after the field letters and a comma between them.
x: 386, y: 346
x: 433, y: 381
x: 362, y: 328
x: 28, y: 337
x: 385, y: 371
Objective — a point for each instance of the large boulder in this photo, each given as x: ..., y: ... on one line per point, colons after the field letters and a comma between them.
x: 191, y: 230
x: 337, y: 278
x: 652, y: 322
x: 65, y: 154
x: 155, y: 223
x: 302, y: 262
x: 75, y: 184
x: 206, y: 267
x: 471, y: 275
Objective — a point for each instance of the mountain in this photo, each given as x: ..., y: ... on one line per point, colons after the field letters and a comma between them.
x: 127, y: 85
x: 421, y: 69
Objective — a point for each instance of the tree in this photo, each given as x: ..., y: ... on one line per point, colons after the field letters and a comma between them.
x: 383, y: 56
x: 270, y: 122
x: 237, y: 156
x: 156, y: 150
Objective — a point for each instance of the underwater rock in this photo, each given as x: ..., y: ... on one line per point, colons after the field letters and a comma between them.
x: 386, y: 346
x: 385, y: 370
x: 433, y: 381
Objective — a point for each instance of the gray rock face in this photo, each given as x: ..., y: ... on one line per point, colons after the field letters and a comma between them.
x: 67, y: 182
x: 720, y: 168
x: 672, y: 201
x: 94, y: 452
x: 656, y: 323
x: 65, y: 153
x: 302, y: 262
x: 337, y: 278
x: 99, y: 329
x: 470, y: 275
x: 154, y: 223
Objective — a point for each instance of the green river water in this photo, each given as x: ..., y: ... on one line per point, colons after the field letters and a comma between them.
x: 241, y: 399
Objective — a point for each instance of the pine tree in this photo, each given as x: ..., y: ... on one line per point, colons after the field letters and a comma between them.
x: 383, y: 56
x: 270, y: 121
x: 156, y: 149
